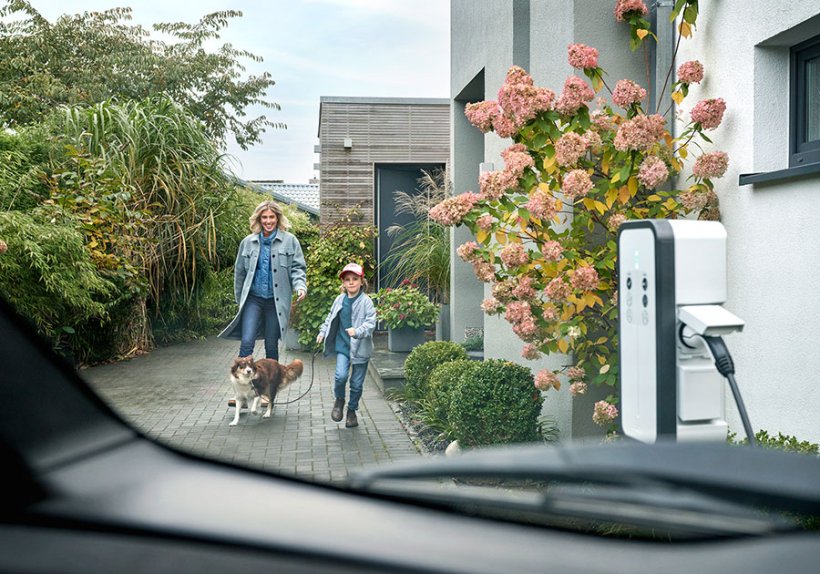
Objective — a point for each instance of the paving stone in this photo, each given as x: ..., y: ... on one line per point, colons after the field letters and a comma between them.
x: 179, y: 395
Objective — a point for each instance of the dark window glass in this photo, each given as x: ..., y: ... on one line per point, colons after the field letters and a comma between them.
x: 805, y: 103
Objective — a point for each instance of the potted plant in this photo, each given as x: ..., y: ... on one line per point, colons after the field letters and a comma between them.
x: 406, y: 311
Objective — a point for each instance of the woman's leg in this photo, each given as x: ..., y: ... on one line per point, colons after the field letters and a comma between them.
x: 272, y: 332
x: 251, y: 314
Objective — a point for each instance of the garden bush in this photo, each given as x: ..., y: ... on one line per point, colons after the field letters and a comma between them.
x: 497, y: 404
x: 443, y: 380
x: 783, y: 442
x: 422, y: 360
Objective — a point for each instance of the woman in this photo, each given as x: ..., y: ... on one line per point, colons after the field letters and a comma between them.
x: 269, y: 267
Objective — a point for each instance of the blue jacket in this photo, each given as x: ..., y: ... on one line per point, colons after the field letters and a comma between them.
x: 364, y: 321
x: 289, y: 274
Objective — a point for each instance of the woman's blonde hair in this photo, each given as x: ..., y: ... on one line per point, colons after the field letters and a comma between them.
x: 281, y: 220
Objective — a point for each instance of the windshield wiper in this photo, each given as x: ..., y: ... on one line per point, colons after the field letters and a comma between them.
x: 687, y: 489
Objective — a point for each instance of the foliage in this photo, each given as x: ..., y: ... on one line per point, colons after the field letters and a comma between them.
x: 546, y: 224
x: 420, y: 252
x: 24, y: 154
x: 782, y: 442
x: 422, y: 360
x: 91, y: 57
x: 337, y: 246
x: 405, y: 306
x: 48, y: 275
x: 496, y: 404
x: 443, y: 379
x: 473, y: 343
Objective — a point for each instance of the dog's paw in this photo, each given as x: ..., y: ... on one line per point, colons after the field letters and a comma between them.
x: 232, y: 423
x: 266, y: 415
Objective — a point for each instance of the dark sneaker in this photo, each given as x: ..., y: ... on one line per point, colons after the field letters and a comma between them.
x: 336, y: 413
x: 351, y: 420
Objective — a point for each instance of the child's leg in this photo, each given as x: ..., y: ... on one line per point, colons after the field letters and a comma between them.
x: 356, y: 386
x: 340, y: 378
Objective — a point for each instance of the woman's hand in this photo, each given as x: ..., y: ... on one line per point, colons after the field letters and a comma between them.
x: 320, y: 338
x: 300, y: 294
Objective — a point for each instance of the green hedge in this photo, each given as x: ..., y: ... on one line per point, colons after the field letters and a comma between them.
x: 496, y: 404
x: 422, y: 360
x: 443, y: 379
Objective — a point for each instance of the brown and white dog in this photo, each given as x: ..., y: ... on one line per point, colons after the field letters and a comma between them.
x: 253, y: 380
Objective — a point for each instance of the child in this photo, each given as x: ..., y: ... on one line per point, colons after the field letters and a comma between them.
x: 348, y: 332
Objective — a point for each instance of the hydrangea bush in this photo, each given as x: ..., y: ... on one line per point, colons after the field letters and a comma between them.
x: 545, y: 225
x: 405, y: 306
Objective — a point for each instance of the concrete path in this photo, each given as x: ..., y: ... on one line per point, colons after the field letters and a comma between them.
x: 179, y: 395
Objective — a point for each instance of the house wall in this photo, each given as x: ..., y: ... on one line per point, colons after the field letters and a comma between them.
x: 773, y: 245
x: 773, y: 250
x: 382, y: 130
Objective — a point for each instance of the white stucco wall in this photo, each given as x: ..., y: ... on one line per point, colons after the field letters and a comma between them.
x: 773, y: 243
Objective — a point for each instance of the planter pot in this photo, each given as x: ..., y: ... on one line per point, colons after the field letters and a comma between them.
x: 403, y: 340
x: 292, y: 340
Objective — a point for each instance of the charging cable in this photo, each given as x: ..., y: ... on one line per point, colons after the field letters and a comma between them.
x: 726, y: 367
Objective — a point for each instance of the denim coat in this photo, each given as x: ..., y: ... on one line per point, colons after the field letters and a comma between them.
x: 289, y: 273
x: 363, y: 318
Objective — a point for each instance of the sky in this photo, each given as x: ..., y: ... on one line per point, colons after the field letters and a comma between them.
x: 311, y: 48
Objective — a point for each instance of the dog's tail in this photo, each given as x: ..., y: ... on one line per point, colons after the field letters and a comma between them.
x: 293, y: 371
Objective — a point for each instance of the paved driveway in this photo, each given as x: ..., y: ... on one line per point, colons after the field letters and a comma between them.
x: 179, y: 395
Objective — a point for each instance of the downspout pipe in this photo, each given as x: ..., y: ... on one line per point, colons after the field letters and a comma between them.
x: 664, y: 56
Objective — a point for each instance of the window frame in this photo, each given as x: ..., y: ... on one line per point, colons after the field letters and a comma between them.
x: 801, y: 151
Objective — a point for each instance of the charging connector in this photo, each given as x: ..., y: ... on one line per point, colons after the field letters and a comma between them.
x: 726, y: 367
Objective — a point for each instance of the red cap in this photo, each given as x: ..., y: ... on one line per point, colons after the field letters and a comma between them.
x: 354, y: 268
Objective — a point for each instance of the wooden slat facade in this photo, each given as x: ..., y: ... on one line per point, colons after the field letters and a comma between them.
x: 382, y: 130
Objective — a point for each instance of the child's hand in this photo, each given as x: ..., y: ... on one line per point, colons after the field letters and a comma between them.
x: 319, y: 338
x: 351, y: 332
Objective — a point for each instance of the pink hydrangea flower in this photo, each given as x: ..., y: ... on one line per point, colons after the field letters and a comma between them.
x: 503, y: 290
x: 491, y: 306
x: 495, y: 184
x: 602, y: 121
x: 576, y: 373
x: 504, y: 125
x: 514, y: 255
x: 569, y: 148
x: 557, y: 290
x: 546, y: 380
x: 577, y: 183
x: 582, y: 56
x: 713, y: 164
x: 484, y: 270
x: 653, y: 172
x: 693, y: 200
x: 481, y: 114
x: 578, y: 388
x: 485, y: 222
x: 526, y: 329
x: 575, y: 94
x: 520, y: 100
x: 604, y: 413
x: 552, y: 250
x: 517, y: 160
x: 615, y: 221
x: 542, y: 205
x: 517, y: 311
x: 523, y: 288
x: 709, y: 113
x: 585, y: 279
x: 550, y: 313
x: 690, y: 72
x: 530, y: 352
x: 452, y: 210
x: 640, y: 133
x: 593, y: 139
x: 627, y: 93
x: 466, y: 251
x: 625, y: 8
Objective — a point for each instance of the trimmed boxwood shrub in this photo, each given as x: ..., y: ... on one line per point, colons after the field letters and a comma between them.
x: 443, y: 380
x: 422, y: 360
x: 497, y: 404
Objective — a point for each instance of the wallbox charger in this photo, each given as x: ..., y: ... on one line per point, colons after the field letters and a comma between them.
x: 671, y: 283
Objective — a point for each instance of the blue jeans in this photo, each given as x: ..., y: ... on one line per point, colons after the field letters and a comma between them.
x: 258, y: 309
x: 356, y: 380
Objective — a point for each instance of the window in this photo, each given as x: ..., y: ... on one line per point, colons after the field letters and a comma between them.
x: 805, y: 103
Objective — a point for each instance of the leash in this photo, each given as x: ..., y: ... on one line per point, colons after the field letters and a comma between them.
x: 312, y: 361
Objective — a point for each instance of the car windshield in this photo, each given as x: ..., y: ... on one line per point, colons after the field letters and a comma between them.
x: 540, y: 266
